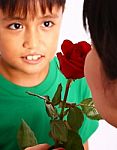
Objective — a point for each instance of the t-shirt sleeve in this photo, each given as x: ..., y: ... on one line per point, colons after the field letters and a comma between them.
x: 89, y: 126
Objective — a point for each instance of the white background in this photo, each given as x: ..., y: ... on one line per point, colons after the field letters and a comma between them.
x: 105, y: 138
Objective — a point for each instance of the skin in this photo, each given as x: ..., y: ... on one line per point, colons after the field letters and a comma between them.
x: 42, y: 147
x: 46, y: 146
x: 103, y: 90
x: 28, y: 37
x: 39, y: 147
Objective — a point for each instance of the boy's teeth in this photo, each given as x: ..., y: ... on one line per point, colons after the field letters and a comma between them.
x: 33, y: 57
x: 29, y: 58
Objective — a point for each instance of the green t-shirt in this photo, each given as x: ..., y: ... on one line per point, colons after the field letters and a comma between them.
x: 16, y: 104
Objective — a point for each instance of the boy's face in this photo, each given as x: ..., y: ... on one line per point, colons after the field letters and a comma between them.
x: 28, y: 45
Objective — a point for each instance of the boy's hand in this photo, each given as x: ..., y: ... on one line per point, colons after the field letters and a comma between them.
x: 39, y: 147
x: 42, y: 147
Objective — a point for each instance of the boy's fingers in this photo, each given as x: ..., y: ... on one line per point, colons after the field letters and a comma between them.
x: 59, y: 149
x: 39, y: 147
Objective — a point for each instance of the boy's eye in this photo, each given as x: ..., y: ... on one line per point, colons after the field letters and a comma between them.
x: 47, y: 24
x: 15, y: 26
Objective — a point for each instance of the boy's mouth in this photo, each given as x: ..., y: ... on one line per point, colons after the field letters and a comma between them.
x: 33, y: 58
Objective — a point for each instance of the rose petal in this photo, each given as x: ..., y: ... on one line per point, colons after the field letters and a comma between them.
x: 69, y: 69
x: 73, y: 58
x: 67, y: 47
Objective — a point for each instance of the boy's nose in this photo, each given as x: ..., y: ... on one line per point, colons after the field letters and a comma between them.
x: 30, y: 40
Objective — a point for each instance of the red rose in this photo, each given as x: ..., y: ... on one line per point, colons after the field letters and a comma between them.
x: 73, y: 58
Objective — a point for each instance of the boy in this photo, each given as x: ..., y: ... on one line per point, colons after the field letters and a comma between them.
x: 28, y: 40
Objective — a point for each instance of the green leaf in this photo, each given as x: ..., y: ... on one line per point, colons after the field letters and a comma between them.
x: 75, y: 118
x: 25, y: 136
x: 51, y: 111
x: 89, y: 109
x: 59, y: 130
x: 74, y: 141
x: 57, y: 97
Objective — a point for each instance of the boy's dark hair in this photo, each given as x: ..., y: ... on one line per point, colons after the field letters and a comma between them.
x: 22, y: 7
x: 102, y: 22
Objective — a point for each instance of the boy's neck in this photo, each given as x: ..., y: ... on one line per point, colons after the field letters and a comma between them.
x: 29, y: 80
x: 23, y: 79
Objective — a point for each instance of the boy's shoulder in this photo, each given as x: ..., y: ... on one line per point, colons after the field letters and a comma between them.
x: 55, y: 60
x: 54, y: 65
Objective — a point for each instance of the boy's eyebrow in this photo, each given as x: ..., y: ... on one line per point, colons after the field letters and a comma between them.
x: 50, y: 16
x: 21, y: 18
x: 12, y: 18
